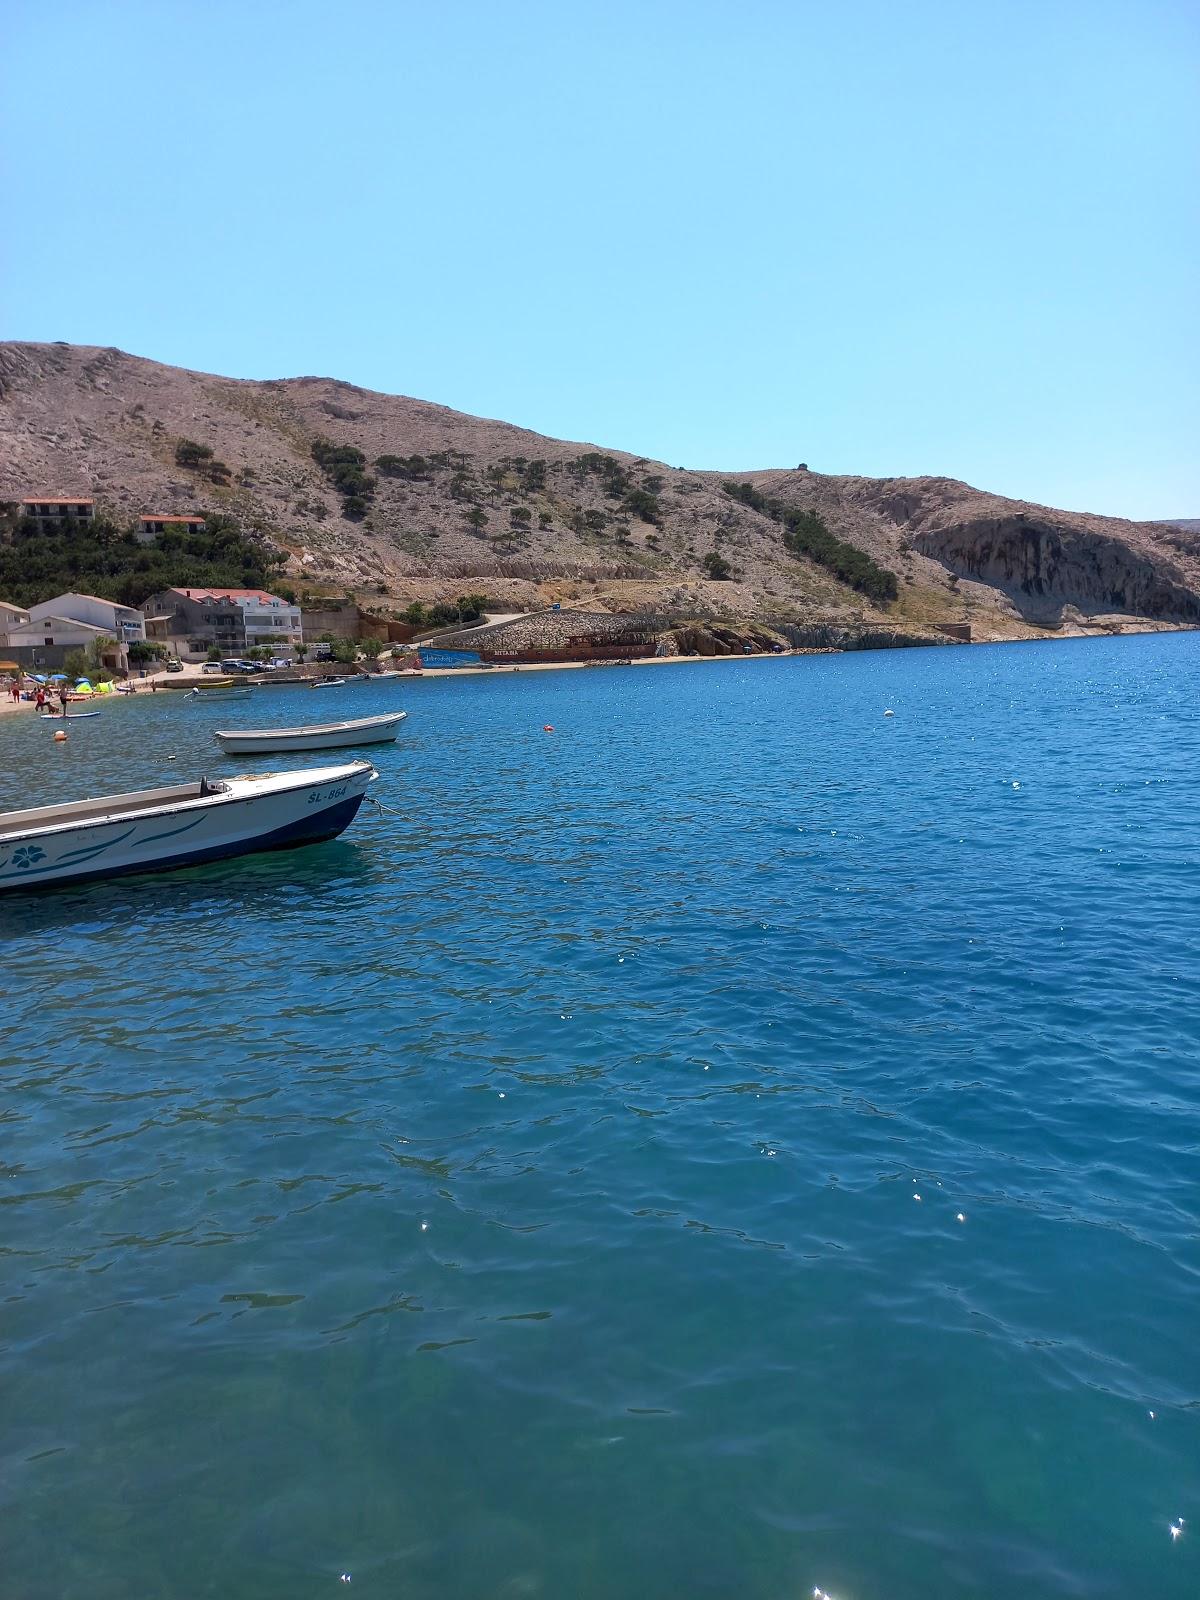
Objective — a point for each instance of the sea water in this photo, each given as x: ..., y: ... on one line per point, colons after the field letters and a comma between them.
x: 735, y: 1143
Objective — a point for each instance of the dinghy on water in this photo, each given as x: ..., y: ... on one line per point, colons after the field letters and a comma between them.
x: 328, y: 683
x: 157, y: 829
x: 218, y: 694
x: 316, y: 736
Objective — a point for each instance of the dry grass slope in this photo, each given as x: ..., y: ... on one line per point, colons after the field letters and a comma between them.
x: 477, y: 504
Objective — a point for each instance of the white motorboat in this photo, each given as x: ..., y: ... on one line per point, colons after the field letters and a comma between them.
x: 328, y: 683
x: 219, y: 694
x: 157, y: 829
x: 316, y: 736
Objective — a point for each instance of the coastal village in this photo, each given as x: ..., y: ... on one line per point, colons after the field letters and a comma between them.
x: 177, y: 633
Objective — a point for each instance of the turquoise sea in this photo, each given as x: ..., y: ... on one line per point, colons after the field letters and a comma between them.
x: 737, y: 1144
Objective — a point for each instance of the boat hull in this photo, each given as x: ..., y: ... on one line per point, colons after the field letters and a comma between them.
x: 319, y: 807
x: 334, y: 736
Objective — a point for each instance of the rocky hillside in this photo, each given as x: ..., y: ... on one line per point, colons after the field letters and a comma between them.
x: 386, y: 496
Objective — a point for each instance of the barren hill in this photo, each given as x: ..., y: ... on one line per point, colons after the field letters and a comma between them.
x: 441, y: 502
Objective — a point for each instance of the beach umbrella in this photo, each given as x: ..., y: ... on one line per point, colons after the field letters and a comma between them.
x: 37, y: 677
x: 58, y: 677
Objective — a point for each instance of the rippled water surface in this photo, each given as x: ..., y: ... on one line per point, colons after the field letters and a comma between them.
x: 734, y: 1144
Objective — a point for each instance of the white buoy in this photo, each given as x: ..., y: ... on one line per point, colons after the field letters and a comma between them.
x: 889, y: 713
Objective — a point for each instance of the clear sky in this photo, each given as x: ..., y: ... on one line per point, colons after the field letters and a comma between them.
x: 878, y: 237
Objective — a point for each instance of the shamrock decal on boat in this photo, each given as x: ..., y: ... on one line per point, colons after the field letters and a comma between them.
x: 28, y: 855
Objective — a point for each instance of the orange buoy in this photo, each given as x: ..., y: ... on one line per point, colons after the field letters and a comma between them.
x: 60, y: 736
x: 547, y: 727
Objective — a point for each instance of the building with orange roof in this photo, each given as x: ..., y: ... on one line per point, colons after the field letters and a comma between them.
x: 50, y: 511
x: 152, y: 523
x: 233, y: 620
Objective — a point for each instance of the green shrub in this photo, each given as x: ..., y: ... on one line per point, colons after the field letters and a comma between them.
x: 344, y: 467
x: 190, y: 454
x: 141, y: 650
x: 641, y: 503
x: 412, y: 468
x: 467, y: 608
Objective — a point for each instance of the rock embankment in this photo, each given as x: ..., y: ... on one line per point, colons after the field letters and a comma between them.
x: 556, y: 630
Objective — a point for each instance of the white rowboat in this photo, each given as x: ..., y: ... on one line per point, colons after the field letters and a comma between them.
x: 316, y: 736
x: 328, y: 683
x: 158, y: 829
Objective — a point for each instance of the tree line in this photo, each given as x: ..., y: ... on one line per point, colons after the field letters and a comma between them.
x: 805, y: 533
x: 106, y: 559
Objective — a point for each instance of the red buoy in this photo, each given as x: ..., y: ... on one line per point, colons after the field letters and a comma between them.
x: 547, y: 727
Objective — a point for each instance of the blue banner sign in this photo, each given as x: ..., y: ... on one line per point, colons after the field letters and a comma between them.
x: 449, y: 658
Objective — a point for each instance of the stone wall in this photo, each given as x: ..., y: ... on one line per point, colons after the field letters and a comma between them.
x: 555, y: 630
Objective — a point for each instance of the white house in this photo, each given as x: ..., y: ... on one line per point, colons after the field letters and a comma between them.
x: 10, y: 616
x: 122, y: 622
x: 46, y: 641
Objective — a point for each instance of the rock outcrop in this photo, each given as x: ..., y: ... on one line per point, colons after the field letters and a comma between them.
x: 1044, y: 567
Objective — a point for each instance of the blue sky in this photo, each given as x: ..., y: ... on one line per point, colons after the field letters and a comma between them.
x: 882, y: 238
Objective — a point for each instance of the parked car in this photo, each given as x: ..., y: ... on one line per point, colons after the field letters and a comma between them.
x: 236, y: 664
x: 212, y: 666
x: 174, y: 664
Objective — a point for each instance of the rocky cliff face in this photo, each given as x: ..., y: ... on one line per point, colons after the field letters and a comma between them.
x: 460, y: 504
x: 1044, y: 567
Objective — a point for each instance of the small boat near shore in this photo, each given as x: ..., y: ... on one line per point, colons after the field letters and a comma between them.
x: 219, y: 694
x: 316, y: 736
x: 155, y: 830
x: 328, y: 683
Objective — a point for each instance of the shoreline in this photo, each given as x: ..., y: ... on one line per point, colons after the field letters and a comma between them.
x: 803, y: 650
x: 192, y: 673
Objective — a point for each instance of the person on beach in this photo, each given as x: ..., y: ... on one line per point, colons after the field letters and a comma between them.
x: 15, y: 690
x: 40, y: 699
